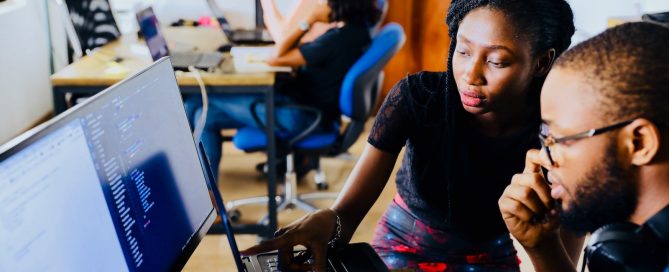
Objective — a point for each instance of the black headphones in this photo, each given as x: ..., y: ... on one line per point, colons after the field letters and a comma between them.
x: 629, y: 247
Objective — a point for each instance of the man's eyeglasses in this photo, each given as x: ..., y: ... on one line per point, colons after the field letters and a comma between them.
x: 548, y: 140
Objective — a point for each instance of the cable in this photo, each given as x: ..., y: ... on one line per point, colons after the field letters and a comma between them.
x: 199, y: 125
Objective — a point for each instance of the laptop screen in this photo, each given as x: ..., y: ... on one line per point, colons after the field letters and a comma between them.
x: 150, y: 29
x: 114, y: 184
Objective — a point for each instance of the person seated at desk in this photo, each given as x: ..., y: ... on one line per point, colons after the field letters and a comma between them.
x: 321, y: 67
x: 279, y: 26
x: 465, y: 133
x: 612, y: 180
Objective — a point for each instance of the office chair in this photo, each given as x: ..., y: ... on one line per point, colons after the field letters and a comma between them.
x: 358, y: 96
x: 88, y: 24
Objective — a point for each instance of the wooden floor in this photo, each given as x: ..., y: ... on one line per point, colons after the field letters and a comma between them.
x: 238, y: 179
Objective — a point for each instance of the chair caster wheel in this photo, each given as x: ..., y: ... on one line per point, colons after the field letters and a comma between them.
x: 322, y: 186
x: 235, y: 215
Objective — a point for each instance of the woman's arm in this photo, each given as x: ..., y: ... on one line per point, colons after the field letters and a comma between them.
x: 286, y: 52
x: 279, y: 26
x: 363, y: 187
x: 314, y: 231
x: 273, y: 19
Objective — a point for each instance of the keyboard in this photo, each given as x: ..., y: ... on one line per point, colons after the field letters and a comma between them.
x: 270, y: 263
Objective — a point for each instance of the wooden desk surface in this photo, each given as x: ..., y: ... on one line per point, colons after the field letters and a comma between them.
x: 99, y: 69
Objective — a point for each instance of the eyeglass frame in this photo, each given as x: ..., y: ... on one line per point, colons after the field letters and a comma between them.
x: 548, y: 140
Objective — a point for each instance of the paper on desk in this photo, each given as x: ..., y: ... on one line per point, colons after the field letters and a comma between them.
x: 253, y: 59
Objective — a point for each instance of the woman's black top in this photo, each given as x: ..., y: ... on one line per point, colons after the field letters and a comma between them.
x: 451, y: 175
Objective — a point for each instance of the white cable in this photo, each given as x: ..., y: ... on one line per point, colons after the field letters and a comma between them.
x: 200, y: 123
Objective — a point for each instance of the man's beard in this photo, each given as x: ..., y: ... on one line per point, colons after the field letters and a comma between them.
x: 607, y: 194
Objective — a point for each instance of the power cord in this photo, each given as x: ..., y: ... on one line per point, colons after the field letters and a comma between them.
x: 199, y: 125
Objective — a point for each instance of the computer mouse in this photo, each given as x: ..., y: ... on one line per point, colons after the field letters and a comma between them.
x: 224, y: 48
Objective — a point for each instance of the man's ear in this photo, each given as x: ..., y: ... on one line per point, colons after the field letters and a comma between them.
x: 642, y: 140
x: 544, y: 62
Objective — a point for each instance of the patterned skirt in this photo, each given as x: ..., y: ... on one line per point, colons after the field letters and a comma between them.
x: 405, y: 242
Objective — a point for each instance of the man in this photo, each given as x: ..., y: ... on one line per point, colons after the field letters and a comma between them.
x: 615, y: 88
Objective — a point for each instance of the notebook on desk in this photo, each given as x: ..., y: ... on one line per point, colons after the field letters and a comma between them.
x: 150, y: 28
x: 253, y: 59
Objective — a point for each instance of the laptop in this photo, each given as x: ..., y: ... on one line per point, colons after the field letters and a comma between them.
x: 150, y: 29
x: 112, y: 184
x: 239, y: 36
x: 351, y: 258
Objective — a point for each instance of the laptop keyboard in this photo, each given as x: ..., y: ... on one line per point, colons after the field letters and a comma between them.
x: 270, y: 263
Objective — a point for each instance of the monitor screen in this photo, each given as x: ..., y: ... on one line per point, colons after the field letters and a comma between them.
x: 150, y: 29
x: 114, y: 184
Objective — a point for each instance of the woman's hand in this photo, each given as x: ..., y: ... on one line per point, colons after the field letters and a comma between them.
x: 313, y: 231
x: 527, y: 207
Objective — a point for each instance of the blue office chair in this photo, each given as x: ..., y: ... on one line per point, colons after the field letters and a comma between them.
x: 357, y: 98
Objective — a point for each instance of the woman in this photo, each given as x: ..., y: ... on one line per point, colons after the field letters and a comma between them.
x: 466, y: 132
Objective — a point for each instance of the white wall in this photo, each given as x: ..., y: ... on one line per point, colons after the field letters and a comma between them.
x: 591, y: 16
x: 25, y: 89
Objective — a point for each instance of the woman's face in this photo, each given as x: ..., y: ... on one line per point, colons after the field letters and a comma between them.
x: 492, y: 64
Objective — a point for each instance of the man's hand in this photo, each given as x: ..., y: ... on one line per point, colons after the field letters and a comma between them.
x: 527, y: 207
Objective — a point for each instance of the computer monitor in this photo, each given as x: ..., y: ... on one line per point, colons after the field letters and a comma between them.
x: 114, y: 184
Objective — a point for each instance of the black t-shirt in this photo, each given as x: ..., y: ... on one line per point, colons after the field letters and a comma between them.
x: 329, y: 57
x: 463, y: 196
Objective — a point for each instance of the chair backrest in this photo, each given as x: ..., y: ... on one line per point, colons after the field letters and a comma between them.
x: 355, y: 100
x: 358, y: 92
x: 93, y: 24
